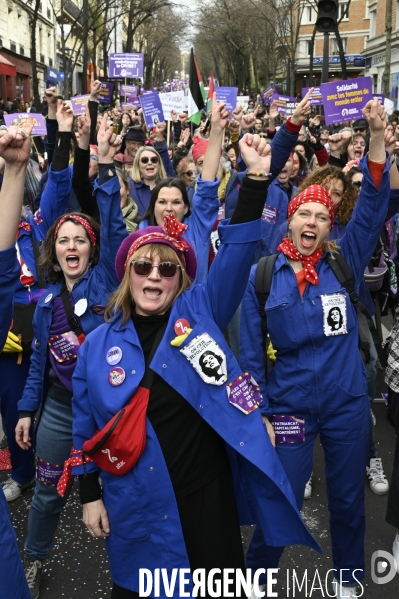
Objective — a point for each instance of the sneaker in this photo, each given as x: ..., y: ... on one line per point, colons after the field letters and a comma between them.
x: 344, y: 592
x: 261, y: 588
x: 395, y: 551
x: 12, y: 489
x: 33, y: 572
x: 308, y: 489
x: 374, y: 419
x: 378, y: 482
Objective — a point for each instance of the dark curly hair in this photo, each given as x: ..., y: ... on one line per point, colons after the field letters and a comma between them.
x: 48, y: 258
x: 323, y: 176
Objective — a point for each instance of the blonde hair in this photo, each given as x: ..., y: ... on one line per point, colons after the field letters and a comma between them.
x: 121, y: 300
x: 135, y: 172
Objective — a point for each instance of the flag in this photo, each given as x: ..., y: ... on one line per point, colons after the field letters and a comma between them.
x: 196, y: 92
x: 210, y: 94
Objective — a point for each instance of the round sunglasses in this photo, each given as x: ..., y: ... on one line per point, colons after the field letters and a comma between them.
x: 153, y: 159
x: 188, y: 173
x: 143, y: 268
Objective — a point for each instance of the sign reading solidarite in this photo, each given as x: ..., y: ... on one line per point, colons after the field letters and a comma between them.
x: 79, y: 104
x: 105, y: 94
x: 125, y: 65
x: 152, y: 109
x: 344, y: 100
x: 19, y: 118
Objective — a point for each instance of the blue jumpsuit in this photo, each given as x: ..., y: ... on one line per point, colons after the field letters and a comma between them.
x: 141, y: 505
x: 12, y: 578
x: 319, y: 377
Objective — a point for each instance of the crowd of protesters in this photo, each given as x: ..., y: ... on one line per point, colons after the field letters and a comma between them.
x: 135, y: 248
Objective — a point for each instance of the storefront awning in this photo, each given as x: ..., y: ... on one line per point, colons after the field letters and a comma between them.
x: 7, y: 68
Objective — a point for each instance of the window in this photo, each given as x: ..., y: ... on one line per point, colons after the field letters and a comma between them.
x: 308, y: 15
x: 13, y: 46
x: 397, y: 15
x: 373, y: 21
x: 50, y: 62
x: 335, y: 48
x: 48, y: 13
x: 21, y: 50
x: 341, y: 11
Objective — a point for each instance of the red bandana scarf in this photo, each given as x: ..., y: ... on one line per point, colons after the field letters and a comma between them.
x: 309, y: 262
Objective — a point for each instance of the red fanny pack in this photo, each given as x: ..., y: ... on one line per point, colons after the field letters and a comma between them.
x: 119, y: 444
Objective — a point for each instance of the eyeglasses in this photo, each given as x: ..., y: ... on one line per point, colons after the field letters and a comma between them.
x: 264, y: 136
x: 153, y: 160
x: 188, y: 173
x: 357, y: 184
x: 143, y: 268
x: 94, y: 157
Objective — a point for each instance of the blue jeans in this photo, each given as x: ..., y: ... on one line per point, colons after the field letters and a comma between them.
x: 53, y: 445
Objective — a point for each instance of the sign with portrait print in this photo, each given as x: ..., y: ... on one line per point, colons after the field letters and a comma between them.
x: 207, y: 359
x: 334, y: 314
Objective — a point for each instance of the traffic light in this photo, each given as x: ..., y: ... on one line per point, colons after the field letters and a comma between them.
x: 327, y: 15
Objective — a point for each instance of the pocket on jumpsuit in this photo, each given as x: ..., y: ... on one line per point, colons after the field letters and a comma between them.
x: 126, y: 516
x: 280, y: 323
x: 292, y: 403
x: 348, y: 413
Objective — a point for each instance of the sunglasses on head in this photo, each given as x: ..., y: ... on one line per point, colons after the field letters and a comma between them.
x: 153, y: 160
x: 143, y: 268
x: 357, y: 183
x: 188, y: 173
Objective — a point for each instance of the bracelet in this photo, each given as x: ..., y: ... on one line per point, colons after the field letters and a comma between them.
x: 263, y: 175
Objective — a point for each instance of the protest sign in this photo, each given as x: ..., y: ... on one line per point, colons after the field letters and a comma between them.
x: 125, y: 65
x: 379, y: 97
x: 79, y: 103
x: 19, y: 118
x: 105, y: 94
x: 285, y: 104
x: 316, y: 98
x: 172, y: 101
x: 243, y: 101
x: 152, y: 109
x: 129, y: 90
x: 388, y: 105
x: 268, y: 93
x: 228, y: 95
x: 132, y: 104
x: 344, y: 100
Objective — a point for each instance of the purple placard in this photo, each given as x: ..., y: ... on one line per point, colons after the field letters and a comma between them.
x: 288, y: 429
x: 105, y: 94
x: 268, y: 93
x: 48, y: 474
x: 379, y: 97
x: 228, y: 95
x: 152, y: 109
x: 128, y: 90
x: 285, y: 104
x: 243, y: 393
x: 79, y: 104
x: 132, y: 103
x: 316, y: 97
x: 39, y: 127
x: 125, y: 65
x: 344, y: 100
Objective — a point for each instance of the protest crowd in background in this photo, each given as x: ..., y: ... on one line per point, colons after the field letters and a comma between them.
x: 121, y: 194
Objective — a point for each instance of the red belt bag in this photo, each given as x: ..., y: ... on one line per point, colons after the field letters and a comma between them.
x: 119, y: 444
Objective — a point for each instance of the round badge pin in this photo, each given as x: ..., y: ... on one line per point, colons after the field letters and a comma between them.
x: 114, y: 355
x: 80, y: 307
x: 181, y: 326
x: 48, y: 298
x: 116, y: 376
x: 98, y: 310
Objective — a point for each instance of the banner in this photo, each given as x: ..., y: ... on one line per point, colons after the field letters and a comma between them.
x: 133, y: 103
x: 344, y: 100
x: 316, y: 97
x: 152, y: 109
x: 228, y: 95
x: 172, y: 101
x: 268, y: 93
x: 105, y: 94
x: 128, y: 90
x: 125, y: 65
x: 79, y: 103
x: 243, y: 101
x: 19, y: 118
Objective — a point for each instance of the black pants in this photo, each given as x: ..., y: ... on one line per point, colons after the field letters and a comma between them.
x: 211, y: 529
x: 392, y: 516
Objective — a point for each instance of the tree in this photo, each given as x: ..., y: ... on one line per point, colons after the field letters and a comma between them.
x: 33, y: 15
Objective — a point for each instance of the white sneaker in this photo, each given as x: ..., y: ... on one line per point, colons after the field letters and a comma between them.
x: 261, y: 588
x: 395, y: 551
x: 378, y: 482
x: 308, y: 489
x: 12, y: 489
x: 344, y: 592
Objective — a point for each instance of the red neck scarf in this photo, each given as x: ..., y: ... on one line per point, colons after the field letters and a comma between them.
x: 309, y: 262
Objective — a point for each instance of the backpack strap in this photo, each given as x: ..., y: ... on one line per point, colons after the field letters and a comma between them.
x: 72, y: 321
x: 263, y: 281
x: 345, y: 276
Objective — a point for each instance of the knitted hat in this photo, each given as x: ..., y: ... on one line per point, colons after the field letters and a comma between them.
x: 199, y: 147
